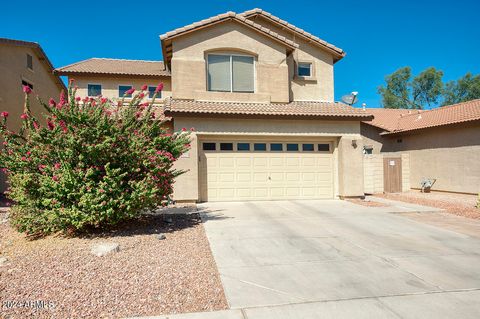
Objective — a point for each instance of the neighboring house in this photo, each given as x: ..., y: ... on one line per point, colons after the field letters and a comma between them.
x: 24, y: 63
x: 442, y: 143
x: 259, y: 93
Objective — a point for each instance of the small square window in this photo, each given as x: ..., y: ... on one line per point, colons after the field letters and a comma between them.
x: 243, y: 146
x: 292, y: 147
x: 226, y: 146
x: 324, y: 147
x: 29, y: 62
x: 304, y: 69
x: 209, y: 146
x: 151, y: 92
x: 94, y: 89
x: 276, y: 147
x: 25, y: 83
x: 122, y: 89
x: 368, y: 150
x: 307, y: 147
x: 260, y: 147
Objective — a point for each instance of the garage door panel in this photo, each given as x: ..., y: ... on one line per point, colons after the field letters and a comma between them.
x: 250, y: 175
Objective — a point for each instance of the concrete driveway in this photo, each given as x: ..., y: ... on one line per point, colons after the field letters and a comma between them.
x: 336, y: 259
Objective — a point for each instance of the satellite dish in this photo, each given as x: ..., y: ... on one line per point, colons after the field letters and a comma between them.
x: 351, y: 98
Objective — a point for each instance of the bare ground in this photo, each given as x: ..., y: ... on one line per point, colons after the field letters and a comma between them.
x: 147, y: 277
x: 458, y: 204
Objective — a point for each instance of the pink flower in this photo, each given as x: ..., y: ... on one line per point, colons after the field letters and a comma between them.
x: 192, y: 129
x: 103, y: 100
x: 78, y: 99
x: 184, y: 129
x: 36, y: 125
x: 55, y: 178
x: 144, y: 87
x: 52, y: 102
x: 141, y: 95
x: 57, y: 165
x: 152, y: 115
x: 27, y: 89
x: 159, y: 88
x: 28, y: 153
x: 24, y: 116
x: 50, y: 125
x: 4, y: 114
x: 41, y: 167
x: 24, y: 158
x: 128, y: 92
x: 63, y: 99
x: 138, y: 114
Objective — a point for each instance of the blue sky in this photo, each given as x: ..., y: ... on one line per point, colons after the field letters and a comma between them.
x: 378, y: 36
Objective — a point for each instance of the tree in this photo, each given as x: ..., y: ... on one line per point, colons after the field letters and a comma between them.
x: 95, y: 163
x: 401, y: 91
x: 464, y: 89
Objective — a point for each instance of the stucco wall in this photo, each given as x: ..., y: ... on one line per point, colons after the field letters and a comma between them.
x: 451, y: 154
x: 13, y: 69
x: 187, y: 185
x: 350, y: 166
x: 189, y: 78
x: 373, y: 173
x: 321, y: 88
x: 110, y: 84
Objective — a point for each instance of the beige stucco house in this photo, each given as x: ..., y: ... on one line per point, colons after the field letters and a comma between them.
x: 24, y: 63
x: 441, y: 144
x: 259, y: 93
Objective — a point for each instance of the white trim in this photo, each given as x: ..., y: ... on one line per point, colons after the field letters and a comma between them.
x: 231, y: 71
x: 101, y: 88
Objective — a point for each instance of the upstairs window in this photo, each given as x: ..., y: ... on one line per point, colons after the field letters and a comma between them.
x: 230, y: 73
x: 25, y: 83
x: 122, y: 89
x: 304, y: 69
x: 29, y: 61
x: 94, y: 89
x: 151, y: 92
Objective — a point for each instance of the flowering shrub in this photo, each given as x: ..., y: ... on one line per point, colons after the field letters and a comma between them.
x: 95, y: 163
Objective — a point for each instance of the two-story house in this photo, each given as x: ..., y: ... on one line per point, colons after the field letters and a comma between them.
x: 259, y: 93
x: 24, y: 63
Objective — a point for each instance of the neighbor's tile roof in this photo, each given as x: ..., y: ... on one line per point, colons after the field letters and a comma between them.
x: 299, y: 31
x: 301, y: 109
x: 115, y: 67
x: 415, y: 120
x: 225, y: 17
x: 387, y: 119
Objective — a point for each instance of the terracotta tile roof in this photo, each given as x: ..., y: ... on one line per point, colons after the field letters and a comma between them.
x: 386, y: 119
x: 115, y: 67
x: 41, y: 55
x: 300, y: 109
x: 226, y: 17
x: 297, y: 30
x: 415, y: 120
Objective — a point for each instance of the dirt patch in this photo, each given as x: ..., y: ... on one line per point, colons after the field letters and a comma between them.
x: 58, y: 277
x: 458, y: 204
x: 367, y: 203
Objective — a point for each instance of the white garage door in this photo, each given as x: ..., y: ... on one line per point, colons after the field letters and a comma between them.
x: 237, y: 170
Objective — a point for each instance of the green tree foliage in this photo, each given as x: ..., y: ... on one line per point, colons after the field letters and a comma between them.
x: 401, y: 91
x: 464, y: 89
x: 95, y: 163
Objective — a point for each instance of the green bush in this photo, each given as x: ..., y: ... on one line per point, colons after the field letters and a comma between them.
x: 95, y: 163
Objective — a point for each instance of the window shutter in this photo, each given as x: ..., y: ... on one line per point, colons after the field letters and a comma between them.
x: 242, y: 73
x: 219, y: 73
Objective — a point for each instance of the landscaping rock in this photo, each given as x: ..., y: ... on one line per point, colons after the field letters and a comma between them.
x: 3, y: 260
x: 161, y: 236
x: 103, y: 249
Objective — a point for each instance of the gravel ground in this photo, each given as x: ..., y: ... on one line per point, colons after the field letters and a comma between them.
x: 366, y: 202
x: 147, y: 277
x: 458, y: 204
